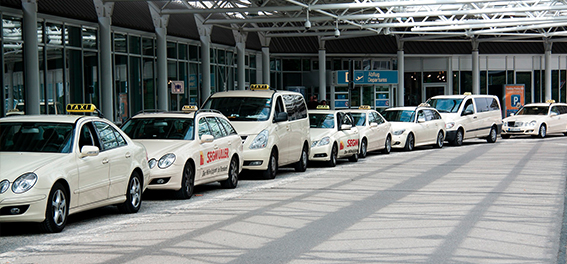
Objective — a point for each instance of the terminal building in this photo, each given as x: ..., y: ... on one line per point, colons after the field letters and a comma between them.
x: 130, y: 55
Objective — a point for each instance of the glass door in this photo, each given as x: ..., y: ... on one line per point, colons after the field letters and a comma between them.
x: 430, y: 90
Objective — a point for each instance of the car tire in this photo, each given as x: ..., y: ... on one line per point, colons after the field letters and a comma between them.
x: 505, y: 136
x: 387, y: 145
x: 410, y: 142
x: 542, y: 131
x: 57, y: 210
x: 492, y: 135
x: 353, y: 158
x: 440, y: 140
x: 232, y: 180
x: 458, y: 141
x: 301, y: 165
x: 133, y: 195
x: 187, y: 182
x: 363, y: 149
x: 272, y: 170
x: 333, y: 157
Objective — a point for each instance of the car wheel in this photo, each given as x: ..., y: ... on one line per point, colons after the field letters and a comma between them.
x: 410, y: 142
x: 272, y: 170
x: 505, y: 136
x: 363, y: 149
x: 542, y: 131
x: 232, y: 180
x: 57, y: 210
x: 387, y: 145
x: 440, y: 140
x: 301, y: 165
x: 187, y: 182
x: 333, y: 157
x: 133, y: 195
x: 492, y: 136
x: 458, y: 141
x: 353, y: 158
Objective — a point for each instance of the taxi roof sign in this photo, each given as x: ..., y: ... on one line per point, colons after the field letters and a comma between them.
x: 467, y: 93
x: 189, y: 108
x: 324, y: 107
x: 259, y: 87
x: 424, y: 105
x: 550, y: 101
x: 81, y: 108
x: 365, y: 107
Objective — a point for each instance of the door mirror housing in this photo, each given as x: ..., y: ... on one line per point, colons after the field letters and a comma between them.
x: 281, y: 116
x: 89, y: 151
x: 207, y: 138
x: 346, y: 127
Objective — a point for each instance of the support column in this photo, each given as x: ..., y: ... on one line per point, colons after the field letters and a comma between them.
x: 322, y: 71
x: 548, y: 94
x: 104, y: 13
x: 265, y: 41
x: 205, y: 36
x: 240, y: 38
x: 475, y: 67
x: 401, y: 71
x: 160, y: 25
x: 31, y: 58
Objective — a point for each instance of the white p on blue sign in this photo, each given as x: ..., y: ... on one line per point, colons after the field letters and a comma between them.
x: 177, y: 87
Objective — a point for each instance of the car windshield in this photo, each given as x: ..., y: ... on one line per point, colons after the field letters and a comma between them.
x: 241, y: 108
x: 36, y: 137
x: 359, y: 119
x: 399, y: 115
x: 533, y: 110
x: 322, y: 120
x: 445, y: 105
x: 160, y: 128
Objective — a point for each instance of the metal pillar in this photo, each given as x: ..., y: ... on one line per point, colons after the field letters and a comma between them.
x: 160, y: 25
x: 401, y: 70
x: 104, y: 13
x: 322, y: 71
x: 475, y: 68
x: 31, y: 57
x: 265, y: 41
x: 548, y: 94
x: 206, y: 67
x: 240, y: 38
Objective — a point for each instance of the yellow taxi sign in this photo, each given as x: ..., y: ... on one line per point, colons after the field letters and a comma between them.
x: 365, y: 107
x: 189, y: 108
x: 259, y: 87
x: 550, y: 101
x: 324, y: 107
x: 424, y: 105
x: 467, y: 93
x: 81, y: 108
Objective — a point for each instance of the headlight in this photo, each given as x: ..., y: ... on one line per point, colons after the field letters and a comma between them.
x: 449, y: 125
x: 532, y: 124
x: 152, y: 163
x: 4, y: 185
x: 261, y: 140
x: 399, y: 132
x: 24, y: 183
x: 314, y: 143
x: 324, y: 141
x: 166, y: 160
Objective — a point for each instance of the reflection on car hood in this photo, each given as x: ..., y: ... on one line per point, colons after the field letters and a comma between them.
x: 319, y: 133
x: 157, y: 148
x: 449, y: 116
x: 14, y: 164
x: 523, y: 118
x: 401, y: 125
x: 246, y: 128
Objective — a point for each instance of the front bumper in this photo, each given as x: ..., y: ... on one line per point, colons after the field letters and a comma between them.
x: 256, y: 159
x: 32, y: 208
x: 506, y: 130
x: 166, y: 179
x: 399, y: 141
x: 320, y: 153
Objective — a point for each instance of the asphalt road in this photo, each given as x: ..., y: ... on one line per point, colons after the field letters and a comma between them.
x: 478, y: 203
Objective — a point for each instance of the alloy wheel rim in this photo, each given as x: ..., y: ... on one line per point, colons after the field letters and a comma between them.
x: 59, y: 204
x: 135, y: 192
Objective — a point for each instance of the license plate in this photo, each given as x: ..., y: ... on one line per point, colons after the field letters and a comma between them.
x: 514, y: 129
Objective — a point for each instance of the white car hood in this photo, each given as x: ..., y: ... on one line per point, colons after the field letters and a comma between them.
x: 523, y: 118
x: 246, y: 128
x: 14, y: 164
x: 448, y: 117
x: 401, y: 125
x: 157, y: 148
x: 319, y: 133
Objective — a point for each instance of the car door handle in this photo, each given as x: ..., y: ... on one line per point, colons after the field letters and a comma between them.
x: 105, y: 161
x: 215, y: 146
x: 128, y: 155
x: 474, y: 117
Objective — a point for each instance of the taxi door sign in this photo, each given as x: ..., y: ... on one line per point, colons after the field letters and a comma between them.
x: 513, y: 98
x: 202, y: 161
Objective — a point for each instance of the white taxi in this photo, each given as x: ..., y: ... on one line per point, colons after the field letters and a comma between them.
x: 538, y: 119
x: 188, y: 148
x: 415, y: 126
x: 333, y: 136
x: 374, y: 130
x: 56, y: 165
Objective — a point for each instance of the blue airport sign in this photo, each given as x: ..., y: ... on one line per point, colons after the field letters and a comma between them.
x: 368, y: 77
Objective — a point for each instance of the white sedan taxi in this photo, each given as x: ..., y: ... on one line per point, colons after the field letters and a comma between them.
x: 333, y: 136
x: 415, y: 126
x: 188, y: 148
x: 537, y: 119
x: 56, y: 165
x: 374, y: 130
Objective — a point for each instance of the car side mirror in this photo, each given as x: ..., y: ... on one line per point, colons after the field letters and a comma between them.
x: 421, y: 119
x: 281, y: 116
x: 89, y: 151
x: 373, y: 124
x: 207, y: 138
x: 553, y: 114
x: 346, y: 127
x: 467, y: 112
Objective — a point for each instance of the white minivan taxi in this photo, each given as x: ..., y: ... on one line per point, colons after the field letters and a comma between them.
x: 273, y: 125
x: 469, y: 116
